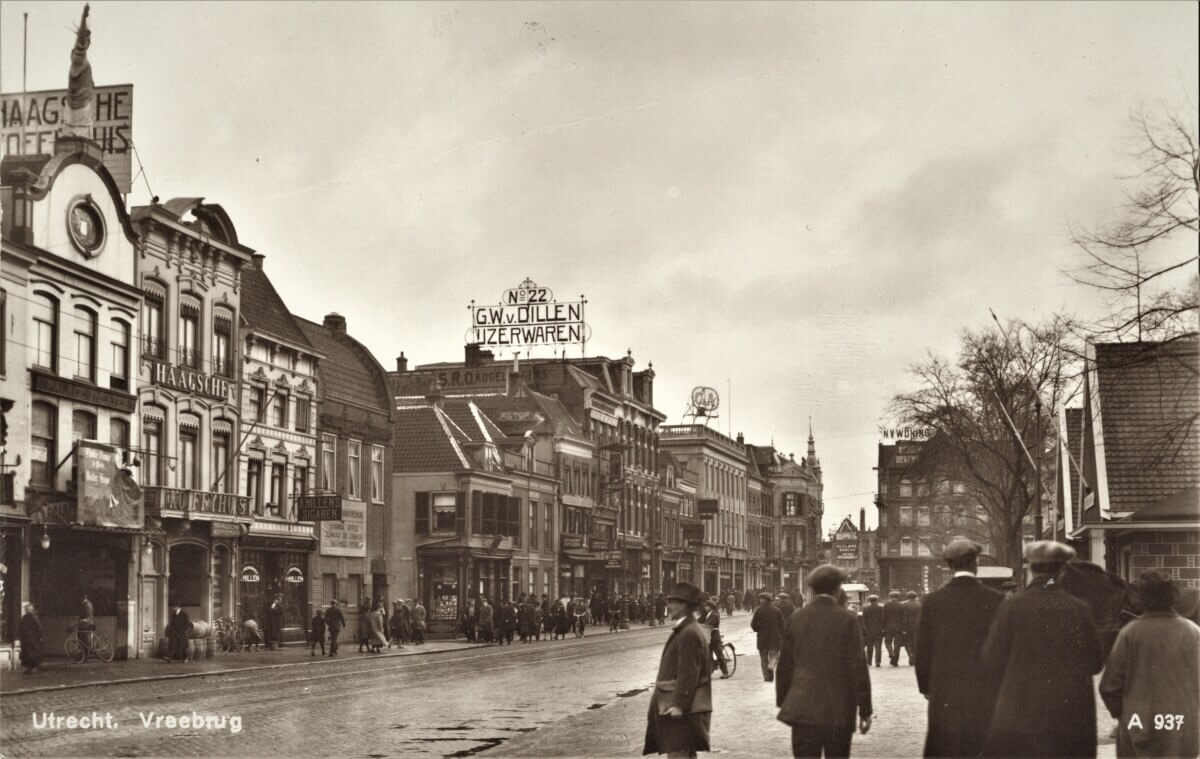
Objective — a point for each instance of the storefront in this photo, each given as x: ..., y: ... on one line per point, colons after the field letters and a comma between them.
x: 11, y: 553
x: 448, y: 576
x: 271, y: 566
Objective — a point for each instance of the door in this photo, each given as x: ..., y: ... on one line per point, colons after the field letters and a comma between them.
x: 149, y: 614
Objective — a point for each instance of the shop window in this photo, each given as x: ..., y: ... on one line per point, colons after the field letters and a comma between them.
x: 152, y: 458
x: 44, y: 453
x: 254, y: 470
x: 377, y: 474
x: 45, y: 331
x: 189, y: 462
x: 354, y: 468
x: 279, y: 409
x: 278, y: 493
x: 302, y: 409
x: 118, y: 376
x: 83, y: 426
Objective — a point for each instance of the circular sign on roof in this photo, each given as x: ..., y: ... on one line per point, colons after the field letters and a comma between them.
x: 85, y: 225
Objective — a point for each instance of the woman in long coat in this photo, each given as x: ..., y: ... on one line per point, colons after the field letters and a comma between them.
x: 1152, y: 678
x: 378, y: 638
x: 527, y: 621
x: 31, y: 639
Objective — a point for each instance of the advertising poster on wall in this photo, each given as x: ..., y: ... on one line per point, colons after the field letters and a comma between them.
x: 348, y: 536
x: 107, y: 496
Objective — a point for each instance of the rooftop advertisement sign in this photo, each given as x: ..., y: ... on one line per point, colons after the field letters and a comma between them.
x: 528, y: 315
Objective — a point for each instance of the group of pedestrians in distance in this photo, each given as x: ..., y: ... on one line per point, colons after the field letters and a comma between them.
x: 1005, y: 675
x: 376, y: 631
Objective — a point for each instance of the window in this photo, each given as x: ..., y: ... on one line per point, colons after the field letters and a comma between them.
x: 354, y: 464
x: 154, y: 338
x: 302, y: 405
x: 254, y: 483
x: 376, y: 474
x: 3, y: 348
x: 922, y: 487
x: 923, y: 547
x: 44, y: 456
x: 257, y: 400
x: 444, y: 512
x: 906, y: 516
x: 905, y: 488
x: 943, y: 485
x: 45, y: 331
x: 328, y: 463
x: 189, y: 462
x: 220, y: 461
x: 882, y: 518
x: 222, y: 363
x: 189, y: 332
x: 83, y: 426
x: 923, y: 516
x: 278, y: 492
x: 548, y: 514
x: 300, y: 480
x: 791, y: 505
x: 533, y: 530
x: 960, y: 488
x: 118, y: 433
x: 151, y: 450
x: 906, y: 546
x: 118, y: 375
x: 882, y: 486
x: 279, y: 409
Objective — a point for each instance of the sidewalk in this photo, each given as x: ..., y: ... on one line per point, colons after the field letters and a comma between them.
x: 57, y: 673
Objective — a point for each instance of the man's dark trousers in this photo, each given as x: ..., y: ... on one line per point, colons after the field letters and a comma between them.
x: 810, y: 740
x: 333, y: 640
x: 892, y: 642
x: 875, y: 645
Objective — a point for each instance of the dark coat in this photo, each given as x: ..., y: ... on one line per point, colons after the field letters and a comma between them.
x: 30, y: 632
x: 334, y: 619
x: 179, y: 625
x: 685, y: 665
x: 768, y: 623
x: 317, y: 628
x: 486, y: 615
x: 822, y: 676
x: 893, y: 616
x: 506, y: 618
x: 953, y: 627
x: 786, y: 609
x: 872, y: 618
x: 527, y: 619
x: 1045, y: 644
x: 911, y: 618
x: 660, y: 606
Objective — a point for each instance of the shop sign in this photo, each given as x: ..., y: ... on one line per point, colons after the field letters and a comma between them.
x: 348, y: 536
x: 528, y: 315
x: 707, y: 507
x: 603, y: 416
x: 712, y: 561
x: 324, y: 507
x: 571, y: 541
x: 907, y: 433
x: 189, y: 380
x: 30, y: 122
x: 84, y: 392
x: 599, y: 544
x: 106, y: 494
x: 611, y: 564
x: 693, y: 532
x: 250, y: 574
x: 613, y: 556
x: 294, y: 574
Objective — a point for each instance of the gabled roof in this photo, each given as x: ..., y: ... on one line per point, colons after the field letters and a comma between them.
x: 1074, y: 422
x: 264, y: 311
x: 349, y: 372
x: 1149, y: 411
x: 424, y: 439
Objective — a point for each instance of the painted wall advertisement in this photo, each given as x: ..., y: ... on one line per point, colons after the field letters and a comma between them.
x: 348, y: 536
x: 30, y: 122
x: 107, y: 496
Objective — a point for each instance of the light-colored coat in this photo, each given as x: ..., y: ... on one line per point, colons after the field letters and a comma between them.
x: 685, y: 664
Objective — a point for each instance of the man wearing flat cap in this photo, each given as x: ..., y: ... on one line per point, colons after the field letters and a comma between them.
x: 910, y: 619
x: 1044, y: 647
x: 783, y: 602
x: 872, y: 619
x: 893, y: 624
x: 681, y: 704
x: 950, y: 635
x: 768, y: 623
x: 822, y: 678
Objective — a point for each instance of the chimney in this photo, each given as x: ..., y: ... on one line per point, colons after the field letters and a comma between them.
x: 741, y: 439
x: 475, y: 356
x: 514, y: 375
x: 258, y: 261
x: 401, y: 363
x: 862, y: 519
x: 335, y: 322
x: 435, y: 397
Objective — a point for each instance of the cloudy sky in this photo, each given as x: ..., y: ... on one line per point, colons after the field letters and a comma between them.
x: 794, y: 201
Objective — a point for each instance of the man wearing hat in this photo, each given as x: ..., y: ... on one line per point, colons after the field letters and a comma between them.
x: 822, y: 678
x: 768, y: 623
x: 909, y: 620
x: 872, y: 619
x: 893, y: 623
x: 1044, y: 645
x: 681, y: 704
x: 785, y: 605
x: 953, y: 626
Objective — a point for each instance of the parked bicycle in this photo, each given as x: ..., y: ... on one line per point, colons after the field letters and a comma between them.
x: 229, y: 635
x: 80, y: 648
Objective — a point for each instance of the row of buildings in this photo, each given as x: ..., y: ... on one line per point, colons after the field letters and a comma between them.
x: 174, y: 434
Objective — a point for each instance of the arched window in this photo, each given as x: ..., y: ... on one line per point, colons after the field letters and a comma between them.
x: 83, y: 425
x: 85, y: 343
x: 44, y: 339
x: 44, y: 437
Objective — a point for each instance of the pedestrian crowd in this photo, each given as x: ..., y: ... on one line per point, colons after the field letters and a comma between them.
x: 1005, y: 674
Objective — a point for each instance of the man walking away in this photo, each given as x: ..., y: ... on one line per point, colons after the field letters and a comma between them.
x: 872, y: 619
x: 893, y: 623
x: 660, y: 609
x: 768, y: 623
x: 786, y: 608
x: 822, y: 679
x: 1152, y: 672
x: 1045, y: 644
x: 953, y: 626
x: 680, y: 712
x: 334, y: 621
x: 486, y: 620
x: 908, y: 626
x: 418, y: 623
x: 316, y: 632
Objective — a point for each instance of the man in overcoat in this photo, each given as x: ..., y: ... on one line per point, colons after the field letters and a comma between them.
x: 681, y: 704
x: 660, y: 609
x: 893, y: 625
x: 486, y: 618
x: 334, y: 621
x: 1044, y: 644
x: 909, y: 622
x: 768, y: 623
x: 872, y: 620
x: 30, y: 632
x: 179, y: 627
x: 822, y: 678
x: 954, y: 624
x: 785, y: 606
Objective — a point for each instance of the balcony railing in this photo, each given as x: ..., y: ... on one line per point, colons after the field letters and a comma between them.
x: 222, y: 366
x: 154, y: 346
x: 160, y: 499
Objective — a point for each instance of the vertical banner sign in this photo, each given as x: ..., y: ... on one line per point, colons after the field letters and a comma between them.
x: 106, y: 494
x: 528, y: 315
x: 30, y: 122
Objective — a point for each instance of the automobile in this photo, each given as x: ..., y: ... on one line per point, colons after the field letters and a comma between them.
x: 994, y: 577
x: 856, y: 595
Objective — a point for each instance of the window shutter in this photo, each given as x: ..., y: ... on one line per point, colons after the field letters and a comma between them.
x: 460, y: 513
x: 476, y: 512
x: 422, y: 512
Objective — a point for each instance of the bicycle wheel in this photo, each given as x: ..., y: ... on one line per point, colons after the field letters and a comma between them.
x: 235, y: 640
x: 101, y: 648
x: 730, y: 658
x: 75, y: 650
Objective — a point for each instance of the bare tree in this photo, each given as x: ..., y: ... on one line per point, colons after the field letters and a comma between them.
x: 985, y: 410
x: 1152, y: 284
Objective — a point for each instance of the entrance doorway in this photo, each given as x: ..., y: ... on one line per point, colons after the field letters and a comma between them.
x: 188, y: 580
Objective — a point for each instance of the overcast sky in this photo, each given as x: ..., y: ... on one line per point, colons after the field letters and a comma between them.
x: 794, y: 200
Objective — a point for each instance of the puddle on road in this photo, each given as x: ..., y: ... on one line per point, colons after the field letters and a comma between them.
x: 488, y: 744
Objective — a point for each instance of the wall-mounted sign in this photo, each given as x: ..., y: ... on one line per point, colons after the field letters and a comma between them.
x: 613, y: 556
x: 324, y: 507
x: 528, y: 315
x: 82, y: 391
x: 106, y: 494
x: 189, y: 380
x: 347, y: 537
x: 693, y: 532
x: 250, y: 574
x: 707, y: 507
x: 907, y: 433
x: 294, y: 574
x: 571, y: 541
x: 30, y: 122
x: 703, y: 403
x: 712, y: 562
x: 600, y: 544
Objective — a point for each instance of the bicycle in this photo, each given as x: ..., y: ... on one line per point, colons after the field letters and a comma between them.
x: 229, y: 635
x: 78, y: 650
